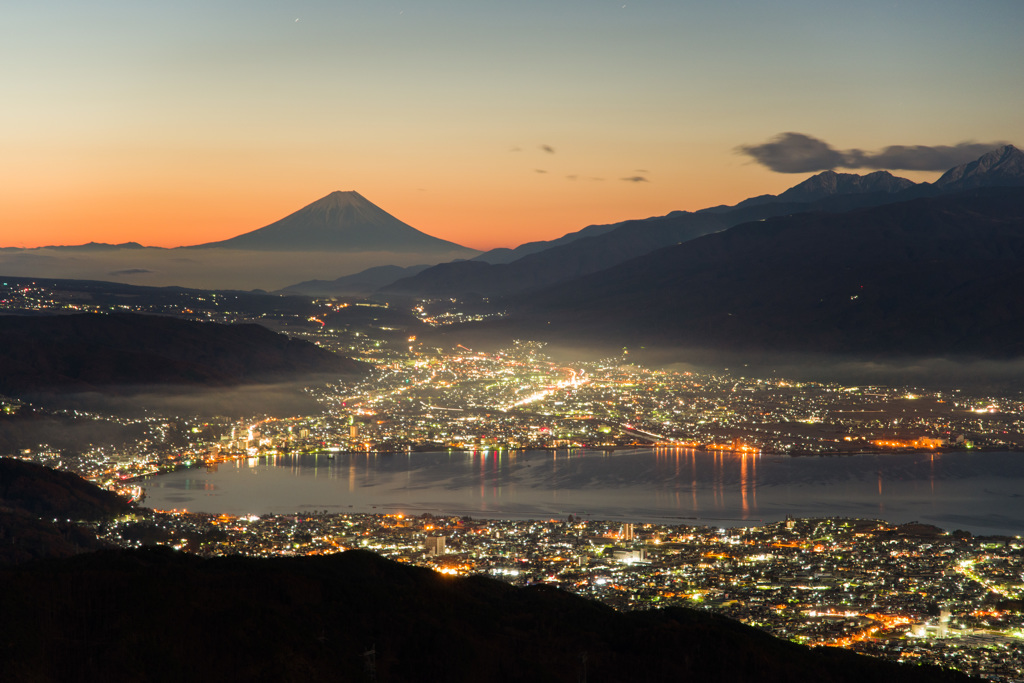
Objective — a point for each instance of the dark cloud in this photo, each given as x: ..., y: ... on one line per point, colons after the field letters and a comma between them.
x: 548, y: 148
x: 799, y: 153
x: 921, y: 157
x: 794, y: 153
x: 539, y: 170
x: 131, y: 271
x: 635, y: 179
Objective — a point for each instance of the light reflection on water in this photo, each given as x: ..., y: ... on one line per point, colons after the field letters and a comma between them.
x: 980, y: 492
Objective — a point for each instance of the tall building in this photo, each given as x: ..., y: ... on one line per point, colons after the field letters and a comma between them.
x: 434, y: 545
x: 626, y: 532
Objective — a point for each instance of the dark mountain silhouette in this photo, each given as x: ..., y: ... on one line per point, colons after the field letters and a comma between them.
x: 101, y: 246
x: 830, y: 184
x: 341, y: 221
x: 108, y: 352
x: 370, y: 280
x: 1003, y: 167
x: 557, y: 264
x: 358, y: 284
x: 930, y: 276
x: 160, y: 615
x: 88, y: 247
x: 505, y: 255
x: 562, y: 261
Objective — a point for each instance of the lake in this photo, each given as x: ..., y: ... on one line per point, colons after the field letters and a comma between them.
x: 980, y: 492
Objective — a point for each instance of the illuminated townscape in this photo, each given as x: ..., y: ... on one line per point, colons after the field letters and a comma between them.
x: 910, y: 592
x: 518, y: 399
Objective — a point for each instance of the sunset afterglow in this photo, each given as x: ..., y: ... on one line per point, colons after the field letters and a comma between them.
x: 488, y: 124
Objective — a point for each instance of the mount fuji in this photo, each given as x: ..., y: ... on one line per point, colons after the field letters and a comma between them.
x: 341, y: 221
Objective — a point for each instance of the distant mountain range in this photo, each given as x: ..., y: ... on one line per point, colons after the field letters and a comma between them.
x: 505, y: 255
x: 1003, y: 167
x: 344, y: 229
x: 591, y: 251
x: 363, y: 283
x: 933, y: 276
x: 558, y: 263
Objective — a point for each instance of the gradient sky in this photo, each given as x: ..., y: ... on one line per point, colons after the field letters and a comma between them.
x: 487, y: 123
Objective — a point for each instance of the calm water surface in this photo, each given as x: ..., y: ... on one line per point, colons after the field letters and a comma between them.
x: 980, y: 492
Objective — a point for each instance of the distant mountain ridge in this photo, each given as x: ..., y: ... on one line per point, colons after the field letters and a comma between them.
x: 830, y: 183
x: 828, y: 191
x: 89, y: 246
x: 562, y: 261
x: 1003, y: 167
x: 363, y: 283
x: 341, y: 221
x: 557, y: 264
x: 506, y: 255
x: 935, y: 276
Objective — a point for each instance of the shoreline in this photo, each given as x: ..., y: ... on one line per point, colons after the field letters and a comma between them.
x: 511, y: 491
x: 550, y: 449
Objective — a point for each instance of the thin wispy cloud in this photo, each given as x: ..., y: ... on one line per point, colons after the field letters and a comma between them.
x: 635, y: 179
x: 800, y: 153
x: 548, y: 148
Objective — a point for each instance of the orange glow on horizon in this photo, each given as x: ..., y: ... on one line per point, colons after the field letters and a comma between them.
x: 176, y: 124
x: 493, y: 214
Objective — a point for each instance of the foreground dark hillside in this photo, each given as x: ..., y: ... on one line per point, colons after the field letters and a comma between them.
x: 47, y: 493
x: 157, y: 615
x: 936, y: 276
x: 101, y: 352
x: 39, y: 508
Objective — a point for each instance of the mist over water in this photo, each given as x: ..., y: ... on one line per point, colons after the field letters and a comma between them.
x: 979, y: 492
x: 201, y: 268
x: 985, y: 376
x: 281, y: 399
